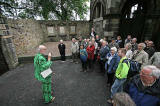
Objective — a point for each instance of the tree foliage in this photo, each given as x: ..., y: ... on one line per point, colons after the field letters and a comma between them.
x: 47, y: 9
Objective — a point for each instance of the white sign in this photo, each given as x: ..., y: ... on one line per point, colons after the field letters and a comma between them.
x: 50, y: 30
x: 73, y: 29
x: 62, y: 30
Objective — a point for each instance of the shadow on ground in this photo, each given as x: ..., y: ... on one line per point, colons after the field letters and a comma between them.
x: 70, y: 86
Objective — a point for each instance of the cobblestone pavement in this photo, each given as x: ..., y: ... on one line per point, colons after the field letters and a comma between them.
x: 71, y: 87
x: 52, y: 47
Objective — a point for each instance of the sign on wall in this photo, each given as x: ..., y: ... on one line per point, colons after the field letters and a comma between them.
x: 51, y: 30
x: 72, y: 29
x: 62, y: 30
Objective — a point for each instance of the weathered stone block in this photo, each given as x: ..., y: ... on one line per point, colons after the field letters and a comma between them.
x: 2, y: 26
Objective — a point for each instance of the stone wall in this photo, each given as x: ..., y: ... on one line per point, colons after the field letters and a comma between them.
x: 28, y: 34
x: 56, y: 30
x: 7, y: 48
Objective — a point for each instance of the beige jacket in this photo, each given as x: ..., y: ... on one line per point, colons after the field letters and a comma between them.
x: 141, y: 57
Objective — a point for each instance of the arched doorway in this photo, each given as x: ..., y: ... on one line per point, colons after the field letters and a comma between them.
x: 133, y: 19
x: 3, y: 64
x: 97, y: 14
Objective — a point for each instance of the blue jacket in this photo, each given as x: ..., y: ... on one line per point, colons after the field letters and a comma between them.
x: 103, y: 52
x: 83, y: 55
x: 113, y: 63
x: 143, y: 96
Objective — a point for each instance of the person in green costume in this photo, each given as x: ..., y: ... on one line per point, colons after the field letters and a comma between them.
x: 41, y: 64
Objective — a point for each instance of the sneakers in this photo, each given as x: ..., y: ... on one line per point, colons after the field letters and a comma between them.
x: 76, y: 62
x: 52, y: 99
x: 110, y: 101
x: 82, y: 70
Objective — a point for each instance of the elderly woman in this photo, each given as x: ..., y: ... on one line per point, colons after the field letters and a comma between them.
x: 128, y: 48
x: 41, y: 64
x: 111, y: 64
x: 140, y: 55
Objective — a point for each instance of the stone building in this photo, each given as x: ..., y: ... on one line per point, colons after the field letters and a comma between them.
x: 140, y: 18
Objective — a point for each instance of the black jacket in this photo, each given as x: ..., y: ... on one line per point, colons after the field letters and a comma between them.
x: 62, y: 48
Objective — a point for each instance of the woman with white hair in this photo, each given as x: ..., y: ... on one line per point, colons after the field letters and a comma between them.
x: 111, y: 65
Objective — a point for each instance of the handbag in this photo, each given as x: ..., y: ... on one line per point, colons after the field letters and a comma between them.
x: 46, y: 73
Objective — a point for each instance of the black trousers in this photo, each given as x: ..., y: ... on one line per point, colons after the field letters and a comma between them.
x: 110, y: 78
x: 63, y: 58
x: 84, y: 65
x: 90, y: 63
x: 102, y: 66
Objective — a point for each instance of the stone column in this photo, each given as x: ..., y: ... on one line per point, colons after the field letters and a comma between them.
x: 101, y: 15
x: 96, y: 12
x: 8, y: 47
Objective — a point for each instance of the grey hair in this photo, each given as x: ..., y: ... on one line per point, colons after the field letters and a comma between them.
x: 129, y: 46
x: 114, y: 48
x: 105, y: 42
x: 143, y: 45
x: 155, y: 70
x: 123, y: 99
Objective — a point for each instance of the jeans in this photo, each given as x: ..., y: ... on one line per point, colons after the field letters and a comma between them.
x: 84, y: 65
x: 117, y: 86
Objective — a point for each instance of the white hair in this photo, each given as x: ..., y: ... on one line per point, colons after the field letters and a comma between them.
x: 61, y: 40
x: 114, y: 48
x: 40, y: 47
x: 155, y: 71
x: 143, y: 45
x: 101, y: 40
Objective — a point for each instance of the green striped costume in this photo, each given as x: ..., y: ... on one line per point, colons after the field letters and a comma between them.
x: 41, y: 64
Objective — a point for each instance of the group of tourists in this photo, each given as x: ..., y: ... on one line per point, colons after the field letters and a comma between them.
x: 131, y: 68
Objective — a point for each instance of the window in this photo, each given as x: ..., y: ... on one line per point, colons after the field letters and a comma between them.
x: 133, y: 9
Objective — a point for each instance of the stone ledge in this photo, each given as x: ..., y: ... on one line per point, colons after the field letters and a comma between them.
x: 30, y: 59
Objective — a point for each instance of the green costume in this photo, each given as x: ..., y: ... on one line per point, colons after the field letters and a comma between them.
x: 41, y: 64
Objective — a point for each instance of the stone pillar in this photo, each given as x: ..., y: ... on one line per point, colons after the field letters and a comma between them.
x: 101, y: 15
x: 96, y: 12
x: 8, y: 47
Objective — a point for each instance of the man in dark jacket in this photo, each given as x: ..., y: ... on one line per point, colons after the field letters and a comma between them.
x: 62, y: 48
x: 144, y: 89
x: 93, y: 33
x: 103, y: 52
x: 150, y: 49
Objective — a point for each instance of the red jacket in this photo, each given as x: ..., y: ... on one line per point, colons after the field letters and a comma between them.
x: 90, y: 51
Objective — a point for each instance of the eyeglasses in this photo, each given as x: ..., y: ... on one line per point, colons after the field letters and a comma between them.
x: 145, y: 75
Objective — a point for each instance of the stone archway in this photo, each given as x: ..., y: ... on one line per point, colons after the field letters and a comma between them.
x: 98, y: 9
x: 132, y: 14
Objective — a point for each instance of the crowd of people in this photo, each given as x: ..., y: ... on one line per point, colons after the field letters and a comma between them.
x: 116, y: 60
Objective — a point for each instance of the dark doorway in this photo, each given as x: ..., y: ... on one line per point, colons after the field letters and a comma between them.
x: 156, y: 34
x: 133, y: 19
x: 3, y: 64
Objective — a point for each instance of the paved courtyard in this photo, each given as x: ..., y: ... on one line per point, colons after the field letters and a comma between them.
x: 70, y: 86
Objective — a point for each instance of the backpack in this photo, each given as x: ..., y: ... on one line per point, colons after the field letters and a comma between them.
x: 134, y: 67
